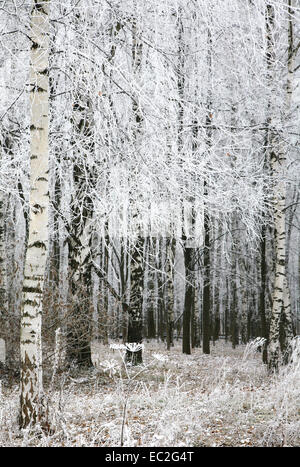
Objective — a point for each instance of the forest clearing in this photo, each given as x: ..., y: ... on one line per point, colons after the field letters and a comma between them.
x: 222, y: 399
x: 149, y: 223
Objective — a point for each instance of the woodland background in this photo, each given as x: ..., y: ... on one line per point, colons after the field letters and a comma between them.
x: 172, y: 131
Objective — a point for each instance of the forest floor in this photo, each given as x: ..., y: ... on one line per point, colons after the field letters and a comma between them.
x: 223, y: 399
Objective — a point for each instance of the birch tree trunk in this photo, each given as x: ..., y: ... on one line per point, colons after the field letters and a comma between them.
x: 135, y: 321
x: 79, y: 242
x: 79, y: 331
x: 79, y: 326
x: 281, y: 300
x: 36, y: 255
x: 281, y: 306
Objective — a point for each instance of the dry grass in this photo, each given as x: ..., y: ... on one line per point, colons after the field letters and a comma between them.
x: 218, y: 400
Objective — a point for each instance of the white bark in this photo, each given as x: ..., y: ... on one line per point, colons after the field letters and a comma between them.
x: 280, y: 282
x: 281, y: 307
x: 36, y: 255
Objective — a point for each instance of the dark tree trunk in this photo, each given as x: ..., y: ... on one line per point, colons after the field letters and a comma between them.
x: 79, y: 318
x: 233, y: 317
x: 226, y: 312
x: 161, y: 300
x: 206, y: 331
x: 262, y: 295
x: 170, y: 256
x: 188, y: 299
x: 151, y: 329
x: 135, y: 312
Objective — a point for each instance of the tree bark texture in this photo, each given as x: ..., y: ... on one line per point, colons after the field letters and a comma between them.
x: 36, y: 255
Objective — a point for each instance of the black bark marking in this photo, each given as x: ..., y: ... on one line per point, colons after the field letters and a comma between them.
x: 33, y: 127
x: 31, y: 303
x: 32, y: 290
x: 36, y: 88
x: 37, y: 208
x: 37, y: 244
x: 34, y: 45
x: 44, y: 72
x: 39, y: 6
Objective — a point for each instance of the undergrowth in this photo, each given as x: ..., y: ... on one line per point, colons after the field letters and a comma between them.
x: 223, y: 399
